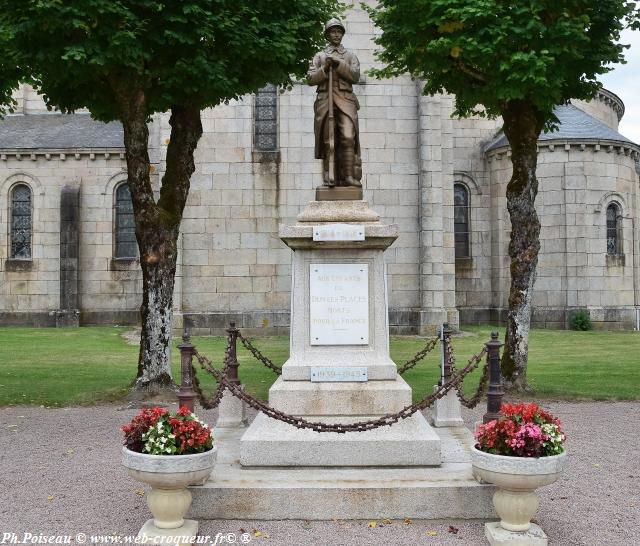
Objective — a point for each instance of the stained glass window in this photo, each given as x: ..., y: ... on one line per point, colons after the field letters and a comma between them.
x: 266, y: 119
x: 613, y: 239
x: 125, y: 228
x: 461, y: 220
x: 21, y: 222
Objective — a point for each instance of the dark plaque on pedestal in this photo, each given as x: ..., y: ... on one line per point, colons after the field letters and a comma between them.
x: 339, y: 193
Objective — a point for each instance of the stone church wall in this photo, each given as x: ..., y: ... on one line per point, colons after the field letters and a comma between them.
x: 574, y: 270
x: 233, y: 266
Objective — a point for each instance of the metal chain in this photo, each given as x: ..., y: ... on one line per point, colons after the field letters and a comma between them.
x: 298, y: 422
x: 473, y: 401
x: 409, y: 364
x: 258, y: 355
x: 214, y: 401
x: 419, y: 356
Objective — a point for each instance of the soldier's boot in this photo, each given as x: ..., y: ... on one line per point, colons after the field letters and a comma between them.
x: 348, y: 166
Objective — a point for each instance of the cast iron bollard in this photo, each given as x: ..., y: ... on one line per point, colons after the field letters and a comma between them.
x: 232, y: 373
x: 495, y: 393
x: 445, y: 334
x: 186, y: 395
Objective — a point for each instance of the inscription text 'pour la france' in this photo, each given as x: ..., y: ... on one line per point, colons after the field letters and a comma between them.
x: 339, y: 304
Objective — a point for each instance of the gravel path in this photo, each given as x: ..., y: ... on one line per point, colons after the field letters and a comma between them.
x: 61, y: 474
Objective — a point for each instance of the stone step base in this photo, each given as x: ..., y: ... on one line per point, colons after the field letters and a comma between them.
x: 366, y: 398
x: 410, y: 442
x: 445, y: 492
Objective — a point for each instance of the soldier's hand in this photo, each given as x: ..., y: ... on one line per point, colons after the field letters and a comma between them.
x: 328, y: 62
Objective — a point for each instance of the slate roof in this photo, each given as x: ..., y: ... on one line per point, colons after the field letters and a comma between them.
x: 58, y: 131
x: 575, y: 124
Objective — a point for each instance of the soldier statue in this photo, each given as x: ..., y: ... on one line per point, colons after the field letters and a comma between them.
x: 334, y: 70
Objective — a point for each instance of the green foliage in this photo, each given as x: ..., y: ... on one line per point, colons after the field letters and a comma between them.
x: 580, y: 320
x: 489, y: 52
x: 83, y: 53
x: 9, y: 70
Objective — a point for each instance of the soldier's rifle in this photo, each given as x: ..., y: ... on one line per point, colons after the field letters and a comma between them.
x: 331, y: 122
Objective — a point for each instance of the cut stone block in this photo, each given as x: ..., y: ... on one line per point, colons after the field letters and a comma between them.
x: 267, y: 493
x: 446, y: 411
x: 409, y: 442
x: 497, y: 536
x: 231, y: 412
x: 349, y: 398
x: 178, y: 536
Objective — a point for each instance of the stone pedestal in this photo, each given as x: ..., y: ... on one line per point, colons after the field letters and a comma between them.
x: 446, y: 411
x: 339, y: 322
x: 497, y: 536
x: 232, y: 412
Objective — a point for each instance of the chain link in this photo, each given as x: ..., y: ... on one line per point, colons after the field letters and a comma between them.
x: 258, y: 355
x: 472, y: 401
x: 214, y: 401
x: 298, y: 422
x: 409, y: 364
x: 419, y: 356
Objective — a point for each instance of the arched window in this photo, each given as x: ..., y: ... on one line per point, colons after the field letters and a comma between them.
x: 21, y: 222
x: 125, y: 227
x: 614, y: 240
x: 265, y: 136
x: 461, y: 221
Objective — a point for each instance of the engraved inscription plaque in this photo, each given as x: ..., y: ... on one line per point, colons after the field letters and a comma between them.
x: 332, y: 375
x: 338, y: 232
x: 339, y: 304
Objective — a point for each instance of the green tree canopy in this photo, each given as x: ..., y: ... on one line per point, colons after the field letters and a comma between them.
x: 515, y: 59
x: 10, y: 74
x: 200, y: 52
x: 489, y: 52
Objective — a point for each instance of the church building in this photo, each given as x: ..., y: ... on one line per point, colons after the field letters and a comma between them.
x: 68, y: 253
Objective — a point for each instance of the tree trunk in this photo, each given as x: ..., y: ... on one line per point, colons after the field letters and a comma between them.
x: 157, y: 230
x: 522, y: 126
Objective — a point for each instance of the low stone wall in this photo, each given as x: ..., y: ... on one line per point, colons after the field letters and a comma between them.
x: 554, y: 318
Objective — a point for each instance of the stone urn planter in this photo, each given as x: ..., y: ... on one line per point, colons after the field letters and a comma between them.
x: 169, y: 498
x: 515, y: 501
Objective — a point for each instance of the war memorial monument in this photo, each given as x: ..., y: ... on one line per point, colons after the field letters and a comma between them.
x: 339, y: 369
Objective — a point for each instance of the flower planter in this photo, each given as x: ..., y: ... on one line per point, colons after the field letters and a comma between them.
x: 517, y: 479
x: 169, y: 498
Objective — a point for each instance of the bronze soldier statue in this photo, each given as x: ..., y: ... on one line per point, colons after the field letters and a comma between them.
x: 334, y: 70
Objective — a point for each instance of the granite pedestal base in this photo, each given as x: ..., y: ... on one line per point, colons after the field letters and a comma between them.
x: 446, y: 411
x: 324, y: 493
x: 497, y: 536
x: 179, y: 536
x: 410, y: 442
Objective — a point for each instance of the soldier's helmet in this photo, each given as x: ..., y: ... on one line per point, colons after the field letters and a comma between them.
x: 333, y: 23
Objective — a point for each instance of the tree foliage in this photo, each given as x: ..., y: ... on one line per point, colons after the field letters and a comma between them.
x: 517, y: 60
x: 128, y: 59
x: 198, y: 52
x: 10, y: 73
x: 489, y: 52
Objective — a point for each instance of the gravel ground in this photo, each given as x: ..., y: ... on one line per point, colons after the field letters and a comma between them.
x: 61, y: 475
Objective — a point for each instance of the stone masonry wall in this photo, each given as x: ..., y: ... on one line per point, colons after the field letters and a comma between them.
x: 31, y: 289
x: 574, y: 270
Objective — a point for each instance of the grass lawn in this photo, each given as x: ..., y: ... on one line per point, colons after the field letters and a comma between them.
x: 84, y: 365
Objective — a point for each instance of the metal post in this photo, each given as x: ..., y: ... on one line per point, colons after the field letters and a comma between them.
x: 446, y: 351
x: 186, y: 394
x: 232, y: 373
x: 495, y: 393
